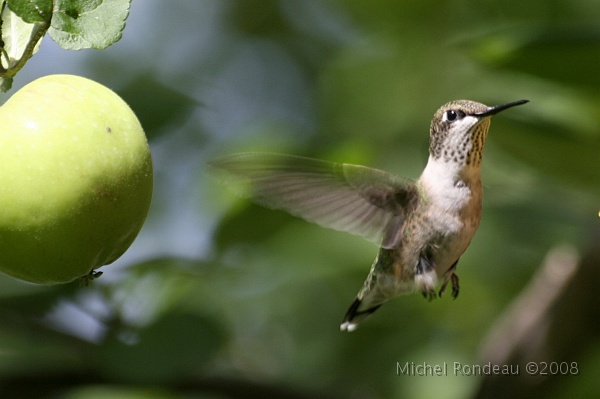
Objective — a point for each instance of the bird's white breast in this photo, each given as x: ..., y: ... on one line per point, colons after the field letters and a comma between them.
x: 447, y: 192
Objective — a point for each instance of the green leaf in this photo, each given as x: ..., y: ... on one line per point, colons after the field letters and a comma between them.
x: 164, y: 351
x: 80, y: 24
x: 535, y: 53
x: 16, y: 35
x: 24, y: 24
x: 240, y: 226
x: 32, y: 11
x: 157, y: 105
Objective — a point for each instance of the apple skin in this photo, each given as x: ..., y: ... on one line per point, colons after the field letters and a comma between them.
x: 75, y: 179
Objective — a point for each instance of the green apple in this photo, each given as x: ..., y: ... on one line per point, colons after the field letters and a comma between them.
x: 75, y: 179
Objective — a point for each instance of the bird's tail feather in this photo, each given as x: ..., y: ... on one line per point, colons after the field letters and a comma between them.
x: 355, y: 314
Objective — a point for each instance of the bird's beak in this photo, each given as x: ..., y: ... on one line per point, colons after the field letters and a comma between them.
x: 494, y: 110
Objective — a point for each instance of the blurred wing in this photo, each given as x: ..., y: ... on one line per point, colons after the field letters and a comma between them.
x: 351, y: 198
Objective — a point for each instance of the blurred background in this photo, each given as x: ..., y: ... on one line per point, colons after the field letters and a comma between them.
x: 219, y: 298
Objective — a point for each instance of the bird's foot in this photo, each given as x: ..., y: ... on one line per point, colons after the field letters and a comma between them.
x: 429, y: 293
x: 455, y: 286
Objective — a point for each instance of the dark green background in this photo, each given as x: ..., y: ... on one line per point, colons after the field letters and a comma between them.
x: 219, y: 298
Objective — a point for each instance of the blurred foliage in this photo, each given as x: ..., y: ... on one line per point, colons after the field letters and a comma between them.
x: 157, y: 106
x: 220, y: 298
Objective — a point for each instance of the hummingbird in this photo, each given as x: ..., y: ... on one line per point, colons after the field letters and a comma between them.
x: 423, y: 227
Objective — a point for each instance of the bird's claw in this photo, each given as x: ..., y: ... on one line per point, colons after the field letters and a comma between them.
x: 455, y: 286
x: 429, y: 294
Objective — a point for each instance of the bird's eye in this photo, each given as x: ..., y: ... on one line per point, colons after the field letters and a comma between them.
x: 452, y: 115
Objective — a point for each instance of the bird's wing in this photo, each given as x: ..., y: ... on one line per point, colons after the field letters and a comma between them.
x: 350, y: 198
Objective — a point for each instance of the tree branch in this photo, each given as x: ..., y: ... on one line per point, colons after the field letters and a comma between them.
x: 555, y: 319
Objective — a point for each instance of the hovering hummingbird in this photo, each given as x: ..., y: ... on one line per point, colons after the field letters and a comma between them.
x: 423, y: 227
